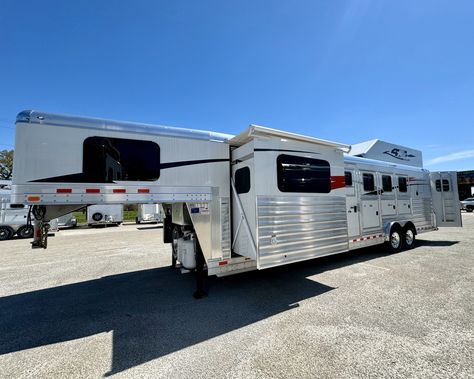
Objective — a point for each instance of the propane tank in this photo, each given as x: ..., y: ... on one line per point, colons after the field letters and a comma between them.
x: 187, y: 251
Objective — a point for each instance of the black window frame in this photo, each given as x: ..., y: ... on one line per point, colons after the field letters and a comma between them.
x: 348, y: 178
x: 110, y: 159
x: 242, y: 180
x: 365, y: 182
x: 402, y: 187
x: 387, y: 187
x: 288, y: 180
x: 446, y: 185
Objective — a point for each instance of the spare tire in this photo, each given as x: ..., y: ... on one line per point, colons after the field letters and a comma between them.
x: 97, y: 216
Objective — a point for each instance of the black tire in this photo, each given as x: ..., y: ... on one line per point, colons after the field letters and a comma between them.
x: 97, y: 216
x: 25, y: 232
x: 409, y: 239
x: 395, y: 243
x: 469, y: 208
x: 5, y: 233
x: 175, y: 234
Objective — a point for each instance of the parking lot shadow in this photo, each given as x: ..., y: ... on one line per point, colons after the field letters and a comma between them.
x: 152, y: 312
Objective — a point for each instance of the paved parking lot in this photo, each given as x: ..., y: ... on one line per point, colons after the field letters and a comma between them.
x: 104, y: 302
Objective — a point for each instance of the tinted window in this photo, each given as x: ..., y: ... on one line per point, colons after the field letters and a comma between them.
x: 369, y: 182
x: 402, y: 184
x: 109, y: 159
x: 387, y: 183
x: 348, y: 178
x: 242, y: 180
x: 445, y: 185
x: 299, y: 174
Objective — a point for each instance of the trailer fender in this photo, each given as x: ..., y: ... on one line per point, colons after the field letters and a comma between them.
x: 388, y: 227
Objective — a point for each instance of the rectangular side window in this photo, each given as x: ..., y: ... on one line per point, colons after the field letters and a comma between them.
x: 348, y: 178
x: 106, y: 160
x: 369, y: 182
x: 387, y: 183
x: 242, y: 180
x: 445, y: 185
x: 402, y: 184
x: 300, y: 174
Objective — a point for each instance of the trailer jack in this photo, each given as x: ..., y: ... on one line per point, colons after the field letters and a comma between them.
x: 40, y: 239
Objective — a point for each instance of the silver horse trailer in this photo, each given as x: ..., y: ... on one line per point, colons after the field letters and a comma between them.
x: 261, y: 199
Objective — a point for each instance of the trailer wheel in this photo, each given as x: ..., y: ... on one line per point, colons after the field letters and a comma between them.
x: 25, y: 231
x: 409, y: 237
x: 469, y: 208
x: 97, y: 216
x: 396, y: 242
x: 176, y: 234
x: 5, y: 233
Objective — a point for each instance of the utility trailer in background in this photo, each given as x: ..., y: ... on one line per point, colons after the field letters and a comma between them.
x: 104, y: 214
x: 260, y: 199
x: 149, y: 213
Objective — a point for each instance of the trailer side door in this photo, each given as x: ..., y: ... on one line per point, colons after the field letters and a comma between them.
x: 444, y: 192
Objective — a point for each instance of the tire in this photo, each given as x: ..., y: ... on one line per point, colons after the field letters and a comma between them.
x: 97, y: 216
x: 25, y: 232
x: 409, y: 239
x: 176, y: 234
x: 469, y: 208
x: 5, y: 233
x: 395, y: 244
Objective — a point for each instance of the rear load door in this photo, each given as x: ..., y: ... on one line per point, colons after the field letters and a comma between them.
x: 446, y: 205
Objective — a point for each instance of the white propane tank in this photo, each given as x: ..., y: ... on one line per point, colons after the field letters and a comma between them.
x: 186, y: 253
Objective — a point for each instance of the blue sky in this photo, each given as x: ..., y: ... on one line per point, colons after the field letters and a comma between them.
x: 349, y: 71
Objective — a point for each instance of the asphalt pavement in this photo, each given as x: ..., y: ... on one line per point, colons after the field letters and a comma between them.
x: 104, y: 302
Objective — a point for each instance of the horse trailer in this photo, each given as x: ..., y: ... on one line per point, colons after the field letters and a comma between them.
x: 261, y: 199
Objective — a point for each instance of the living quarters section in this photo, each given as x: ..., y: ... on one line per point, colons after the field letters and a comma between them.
x: 291, y: 189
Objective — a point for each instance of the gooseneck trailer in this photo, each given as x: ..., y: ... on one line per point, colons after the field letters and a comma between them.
x: 261, y: 199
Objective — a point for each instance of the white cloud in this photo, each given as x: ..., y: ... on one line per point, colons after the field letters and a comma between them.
x: 451, y: 157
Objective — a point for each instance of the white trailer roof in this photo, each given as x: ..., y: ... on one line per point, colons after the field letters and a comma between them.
x: 37, y: 117
x: 256, y: 130
x: 388, y: 152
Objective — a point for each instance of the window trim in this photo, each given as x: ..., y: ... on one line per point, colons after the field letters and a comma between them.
x: 405, y: 178
x: 326, y: 181
x: 351, y: 182
x: 383, y: 184
x: 364, y: 174
x: 238, y: 186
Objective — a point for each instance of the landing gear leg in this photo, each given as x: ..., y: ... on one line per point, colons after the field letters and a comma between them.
x: 40, y: 236
x: 200, y: 273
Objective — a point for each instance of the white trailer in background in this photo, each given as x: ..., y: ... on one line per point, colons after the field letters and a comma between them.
x: 104, y: 214
x: 67, y: 221
x: 13, y: 218
x: 149, y: 213
x: 260, y: 199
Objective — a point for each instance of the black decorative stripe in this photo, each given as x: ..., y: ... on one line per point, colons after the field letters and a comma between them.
x: 287, y: 151
x: 189, y: 163
x: 81, y: 178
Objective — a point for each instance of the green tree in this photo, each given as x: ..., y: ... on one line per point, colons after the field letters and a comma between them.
x: 6, y: 164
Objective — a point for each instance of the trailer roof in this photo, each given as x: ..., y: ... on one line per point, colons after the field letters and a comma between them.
x: 256, y: 130
x: 37, y: 117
